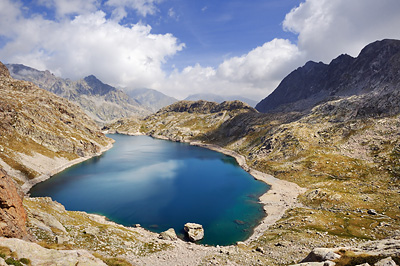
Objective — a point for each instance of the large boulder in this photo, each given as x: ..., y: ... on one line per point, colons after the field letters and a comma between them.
x: 194, y: 231
x: 386, y: 262
x: 321, y: 254
x: 4, y: 71
x: 169, y: 235
x: 39, y: 255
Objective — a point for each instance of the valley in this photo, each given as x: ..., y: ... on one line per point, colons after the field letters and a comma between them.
x: 332, y: 152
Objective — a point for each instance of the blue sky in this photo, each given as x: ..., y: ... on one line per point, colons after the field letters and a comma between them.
x: 215, y: 30
x: 182, y: 47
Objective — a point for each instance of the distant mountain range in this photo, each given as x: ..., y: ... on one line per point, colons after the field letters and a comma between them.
x: 376, y: 67
x: 152, y: 99
x: 100, y: 101
x: 219, y: 98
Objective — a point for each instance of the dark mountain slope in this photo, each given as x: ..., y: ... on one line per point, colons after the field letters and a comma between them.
x: 376, y: 67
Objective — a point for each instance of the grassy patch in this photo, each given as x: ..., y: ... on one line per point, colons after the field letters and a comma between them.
x: 112, y: 261
x: 6, y: 252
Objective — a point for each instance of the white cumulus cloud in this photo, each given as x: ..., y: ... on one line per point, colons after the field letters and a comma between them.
x: 265, y: 63
x: 324, y: 28
x: 132, y: 56
x: 91, y: 44
x: 251, y: 75
x: 329, y: 28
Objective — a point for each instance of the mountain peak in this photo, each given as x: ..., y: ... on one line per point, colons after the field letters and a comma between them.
x: 92, y: 78
x: 385, y: 46
x: 97, y: 86
x: 375, y: 67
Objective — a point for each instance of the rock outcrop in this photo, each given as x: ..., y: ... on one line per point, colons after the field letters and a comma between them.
x: 169, y: 235
x: 4, y: 71
x: 12, y: 212
x: 39, y: 256
x: 187, y: 120
x: 204, y: 107
x: 194, y: 231
x: 219, y: 98
x: 378, y: 253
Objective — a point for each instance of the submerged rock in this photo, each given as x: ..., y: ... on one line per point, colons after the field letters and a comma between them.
x: 194, y: 231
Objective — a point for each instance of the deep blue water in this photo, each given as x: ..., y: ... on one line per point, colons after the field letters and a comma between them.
x: 162, y: 184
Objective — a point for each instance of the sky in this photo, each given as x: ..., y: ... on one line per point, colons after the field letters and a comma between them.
x: 183, y: 47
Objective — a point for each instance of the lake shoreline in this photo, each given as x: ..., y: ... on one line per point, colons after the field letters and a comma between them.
x: 51, y: 172
x: 281, y: 196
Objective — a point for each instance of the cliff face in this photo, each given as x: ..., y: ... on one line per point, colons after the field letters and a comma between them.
x: 100, y: 101
x: 12, y: 212
x: 40, y: 131
x: 376, y: 67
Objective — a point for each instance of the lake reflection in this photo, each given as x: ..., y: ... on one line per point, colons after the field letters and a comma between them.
x: 161, y: 184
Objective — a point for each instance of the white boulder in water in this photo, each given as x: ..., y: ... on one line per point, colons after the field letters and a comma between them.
x: 194, y: 231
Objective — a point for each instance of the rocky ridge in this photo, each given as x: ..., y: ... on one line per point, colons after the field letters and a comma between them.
x: 378, y: 253
x: 182, y: 121
x: 210, y: 97
x: 100, y: 101
x: 375, y: 68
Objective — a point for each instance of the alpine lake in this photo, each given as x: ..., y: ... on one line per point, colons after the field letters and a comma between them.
x: 162, y: 184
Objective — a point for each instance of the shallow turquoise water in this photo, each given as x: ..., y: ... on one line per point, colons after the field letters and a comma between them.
x: 162, y: 184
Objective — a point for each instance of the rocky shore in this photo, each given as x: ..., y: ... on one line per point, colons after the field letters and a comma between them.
x: 281, y: 196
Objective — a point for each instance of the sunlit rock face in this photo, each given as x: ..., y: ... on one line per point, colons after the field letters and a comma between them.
x: 40, y: 131
x: 12, y: 213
